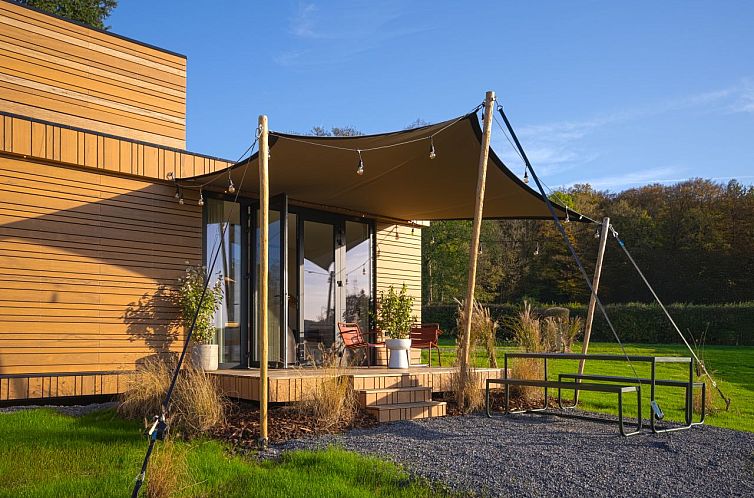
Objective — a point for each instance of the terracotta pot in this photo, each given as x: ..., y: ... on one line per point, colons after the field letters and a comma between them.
x: 399, y: 352
x: 205, y: 356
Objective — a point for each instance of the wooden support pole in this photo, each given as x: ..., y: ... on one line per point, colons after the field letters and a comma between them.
x: 264, y: 228
x: 484, y: 154
x: 593, y: 298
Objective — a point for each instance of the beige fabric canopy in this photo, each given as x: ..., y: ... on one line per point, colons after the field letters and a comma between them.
x: 400, y: 181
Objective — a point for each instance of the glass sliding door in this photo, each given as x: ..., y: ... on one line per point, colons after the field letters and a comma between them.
x: 227, y: 270
x: 281, y: 342
x: 317, y: 289
x: 358, y: 274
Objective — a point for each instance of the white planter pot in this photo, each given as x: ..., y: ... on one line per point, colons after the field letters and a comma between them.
x: 399, y: 352
x: 205, y: 356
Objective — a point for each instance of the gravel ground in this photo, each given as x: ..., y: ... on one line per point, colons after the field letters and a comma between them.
x: 72, y: 410
x: 545, y: 455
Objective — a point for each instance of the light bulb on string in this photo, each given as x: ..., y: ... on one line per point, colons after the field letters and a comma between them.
x: 180, y: 200
x: 231, y: 187
x: 360, y: 168
x: 200, y: 202
x: 526, y: 175
x: 363, y: 269
x: 432, y: 153
x: 568, y: 217
x: 597, y: 234
x: 177, y: 192
x: 536, y: 251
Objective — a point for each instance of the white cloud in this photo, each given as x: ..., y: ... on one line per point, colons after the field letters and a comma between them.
x: 636, y: 177
x: 303, y: 22
x: 334, y: 33
x: 560, y: 146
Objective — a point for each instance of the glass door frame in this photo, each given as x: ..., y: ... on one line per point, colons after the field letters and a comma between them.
x: 249, y: 292
x: 246, y: 258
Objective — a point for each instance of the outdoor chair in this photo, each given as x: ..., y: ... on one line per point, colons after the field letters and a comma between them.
x: 425, y: 336
x: 353, y: 339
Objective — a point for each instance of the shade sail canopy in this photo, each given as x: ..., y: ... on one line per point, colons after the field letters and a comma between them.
x: 400, y: 180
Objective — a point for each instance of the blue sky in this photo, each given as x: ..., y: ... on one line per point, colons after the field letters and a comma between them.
x: 616, y: 94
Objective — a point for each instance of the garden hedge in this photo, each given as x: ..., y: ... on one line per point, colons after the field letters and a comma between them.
x: 725, y: 324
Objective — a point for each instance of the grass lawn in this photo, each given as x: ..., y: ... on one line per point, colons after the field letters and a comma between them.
x: 732, y: 367
x: 46, y: 454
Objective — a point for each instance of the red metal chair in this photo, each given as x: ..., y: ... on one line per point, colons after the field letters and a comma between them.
x: 425, y: 336
x: 353, y: 339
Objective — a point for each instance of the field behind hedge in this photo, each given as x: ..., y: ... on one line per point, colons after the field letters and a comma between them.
x: 725, y: 324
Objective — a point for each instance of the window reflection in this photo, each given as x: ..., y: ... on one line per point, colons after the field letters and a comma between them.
x: 228, y: 271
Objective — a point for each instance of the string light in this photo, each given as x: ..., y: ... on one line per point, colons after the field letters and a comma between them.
x: 360, y: 169
x: 526, y: 175
x: 231, y: 187
x: 568, y: 217
x: 177, y: 192
x: 201, y: 199
x: 597, y: 234
x: 432, y: 153
x: 180, y: 200
x: 397, y: 236
x: 536, y: 251
x: 364, y: 269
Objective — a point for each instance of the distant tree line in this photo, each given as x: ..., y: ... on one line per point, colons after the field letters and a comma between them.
x: 694, y: 241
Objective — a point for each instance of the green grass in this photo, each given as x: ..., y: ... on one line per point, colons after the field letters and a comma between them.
x: 732, y: 367
x: 46, y: 454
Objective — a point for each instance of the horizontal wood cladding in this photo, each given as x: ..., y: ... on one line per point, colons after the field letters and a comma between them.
x: 399, y: 260
x: 61, y: 72
x: 52, y: 142
x: 55, y: 386
x: 89, y: 262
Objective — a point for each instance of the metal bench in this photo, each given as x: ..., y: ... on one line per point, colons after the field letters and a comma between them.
x: 687, y: 385
x: 559, y: 385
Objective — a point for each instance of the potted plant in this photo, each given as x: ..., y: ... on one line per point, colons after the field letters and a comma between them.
x: 394, y: 318
x: 204, y: 353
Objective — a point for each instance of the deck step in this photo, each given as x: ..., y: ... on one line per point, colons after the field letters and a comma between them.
x: 408, y: 411
x: 363, y: 382
x: 393, y: 396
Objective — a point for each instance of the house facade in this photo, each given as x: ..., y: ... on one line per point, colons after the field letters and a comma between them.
x: 93, y: 238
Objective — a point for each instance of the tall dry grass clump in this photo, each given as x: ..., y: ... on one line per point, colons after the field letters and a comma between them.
x: 483, y: 330
x: 196, y: 405
x: 527, y: 334
x: 465, y: 384
x: 168, y: 471
x: 466, y: 391
x: 330, y: 399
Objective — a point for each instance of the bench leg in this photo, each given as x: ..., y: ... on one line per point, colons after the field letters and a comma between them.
x: 560, y: 397
x: 621, y: 424
x: 439, y: 357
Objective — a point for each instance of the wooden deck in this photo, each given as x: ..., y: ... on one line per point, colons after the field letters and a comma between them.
x: 287, y: 385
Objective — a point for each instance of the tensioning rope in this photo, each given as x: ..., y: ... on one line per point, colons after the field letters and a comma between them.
x: 566, y: 239
x: 667, y: 314
x: 159, y: 428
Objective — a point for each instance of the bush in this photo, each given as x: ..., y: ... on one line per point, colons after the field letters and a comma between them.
x: 196, y: 406
x: 729, y: 324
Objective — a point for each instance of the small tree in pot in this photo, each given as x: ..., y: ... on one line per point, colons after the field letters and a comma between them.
x: 191, y: 285
x: 394, y: 318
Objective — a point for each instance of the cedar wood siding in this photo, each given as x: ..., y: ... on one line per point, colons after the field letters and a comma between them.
x: 88, y: 252
x: 91, y: 237
x: 62, y: 72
